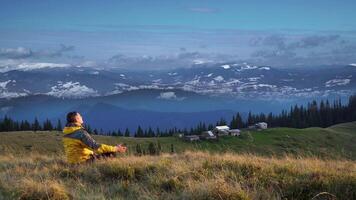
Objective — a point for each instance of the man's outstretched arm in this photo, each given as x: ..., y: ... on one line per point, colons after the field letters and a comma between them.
x: 97, y: 147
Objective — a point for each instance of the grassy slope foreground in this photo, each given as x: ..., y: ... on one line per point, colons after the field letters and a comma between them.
x: 190, y: 175
x: 321, y: 165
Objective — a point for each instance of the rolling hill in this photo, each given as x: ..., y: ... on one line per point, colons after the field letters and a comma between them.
x: 332, y: 142
x: 320, y: 165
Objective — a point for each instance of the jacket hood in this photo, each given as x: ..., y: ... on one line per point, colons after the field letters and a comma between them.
x: 70, y: 128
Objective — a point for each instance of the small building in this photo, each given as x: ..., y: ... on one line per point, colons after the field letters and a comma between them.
x: 261, y: 125
x: 252, y: 127
x: 234, y: 132
x: 178, y: 135
x: 191, y: 138
x: 221, y: 130
x: 207, y: 135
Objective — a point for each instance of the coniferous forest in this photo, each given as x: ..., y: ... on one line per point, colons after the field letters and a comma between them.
x: 314, y: 114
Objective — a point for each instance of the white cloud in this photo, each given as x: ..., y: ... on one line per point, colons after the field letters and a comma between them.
x: 169, y: 96
x: 15, y: 53
x: 23, y: 53
x: 72, y: 90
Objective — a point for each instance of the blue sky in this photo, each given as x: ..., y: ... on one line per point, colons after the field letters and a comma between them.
x: 271, y: 32
x: 226, y: 14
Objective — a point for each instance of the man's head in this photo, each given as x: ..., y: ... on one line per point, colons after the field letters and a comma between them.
x: 74, y: 117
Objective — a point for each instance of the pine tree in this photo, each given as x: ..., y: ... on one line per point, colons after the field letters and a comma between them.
x: 127, y: 132
x: 158, y: 132
x: 159, y: 148
x: 47, y: 125
x: 138, y: 150
x: 36, y: 125
x: 172, y: 148
x: 239, y: 121
x: 139, y: 132
x: 250, y: 120
x: 119, y: 133
x: 59, y: 125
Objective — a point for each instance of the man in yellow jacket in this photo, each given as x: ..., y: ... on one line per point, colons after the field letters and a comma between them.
x: 79, y: 146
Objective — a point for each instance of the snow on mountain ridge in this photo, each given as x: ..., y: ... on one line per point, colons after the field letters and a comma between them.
x: 225, y: 66
x: 5, y: 93
x: 31, y: 66
x: 337, y: 82
x: 72, y: 90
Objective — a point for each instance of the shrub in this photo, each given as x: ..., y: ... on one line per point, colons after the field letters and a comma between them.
x: 30, y: 189
x: 246, y: 135
x: 152, y: 150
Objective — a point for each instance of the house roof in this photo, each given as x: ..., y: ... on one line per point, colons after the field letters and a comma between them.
x: 191, y: 136
x: 222, y: 127
x: 261, y: 123
x: 210, y: 133
x: 235, y: 130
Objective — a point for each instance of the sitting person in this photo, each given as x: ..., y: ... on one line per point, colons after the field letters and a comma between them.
x: 79, y: 146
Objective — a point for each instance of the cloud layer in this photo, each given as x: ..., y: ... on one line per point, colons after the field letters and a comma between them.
x: 22, y: 52
x: 165, y: 48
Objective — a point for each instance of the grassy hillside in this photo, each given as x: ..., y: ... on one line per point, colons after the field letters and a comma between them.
x: 318, y: 166
x: 333, y: 142
x: 190, y: 175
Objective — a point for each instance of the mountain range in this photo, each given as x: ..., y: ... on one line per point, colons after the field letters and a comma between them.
x: 118, y: 98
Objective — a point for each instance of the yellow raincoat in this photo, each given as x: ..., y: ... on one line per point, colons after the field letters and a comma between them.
x: 79, y: 146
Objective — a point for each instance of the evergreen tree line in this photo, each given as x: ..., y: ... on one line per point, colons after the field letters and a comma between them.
x: 313, y: 114
x: 323, y: 114
x: 152, y: 149
x: 8, y: 124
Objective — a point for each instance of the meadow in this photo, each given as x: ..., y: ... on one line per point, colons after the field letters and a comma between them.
x: 335, y: 142
x: 278, y: 163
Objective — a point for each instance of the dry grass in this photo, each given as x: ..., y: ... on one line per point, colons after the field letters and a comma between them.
x: 191, y: 175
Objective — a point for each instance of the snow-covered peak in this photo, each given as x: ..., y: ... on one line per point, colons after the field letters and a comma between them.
x: 172, y: 73
x: 265, y: 68
x: 219, y: 78
x: 209, y: 75
x: 32, y: 66
x: 94, y: 73
x: 198, y: 62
